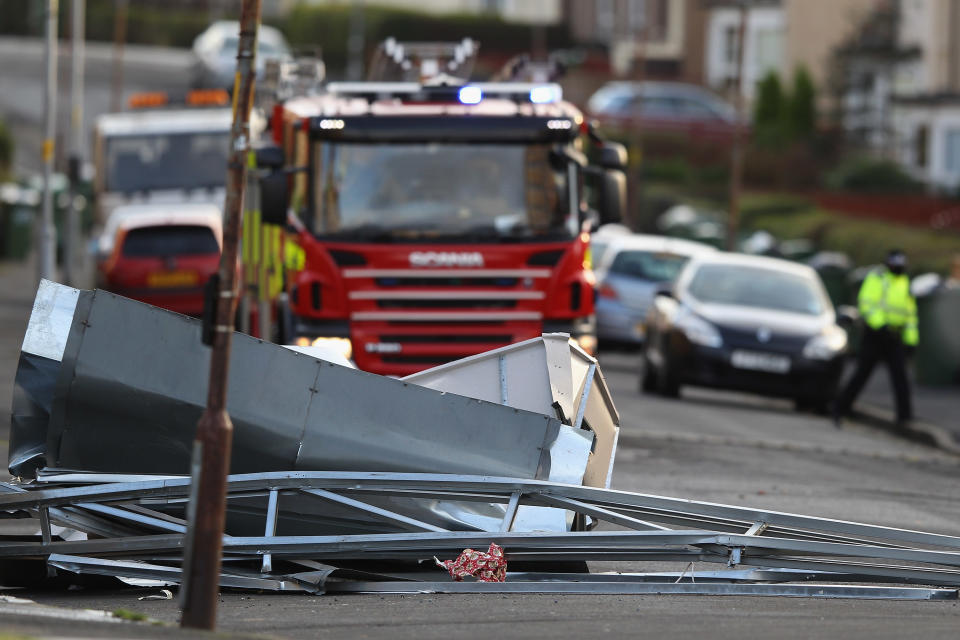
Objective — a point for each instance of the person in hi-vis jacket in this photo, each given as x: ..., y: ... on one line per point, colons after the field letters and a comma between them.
x: 890, y: 335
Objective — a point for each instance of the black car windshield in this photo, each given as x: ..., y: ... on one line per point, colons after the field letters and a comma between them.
x: 432, y: 190
x: 166, y: 161
x: 648, y: 265
x: 755, y: 287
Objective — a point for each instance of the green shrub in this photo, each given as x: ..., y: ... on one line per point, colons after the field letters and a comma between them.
x: 6, y: 151
x: 769, y: 112
x: 673, y: 170
x: 870, y: 175
x: 309, y: 26
x: 802, y: 106
x: 865, y: 241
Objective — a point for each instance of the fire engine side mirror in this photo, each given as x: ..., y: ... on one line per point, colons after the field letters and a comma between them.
x: 269, y: 157
x: 274, y: 198
x: 611, y: 195
x: 613, y: 155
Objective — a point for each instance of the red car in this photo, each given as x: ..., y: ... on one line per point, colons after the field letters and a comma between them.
x: 161, y: 254
x: 664, y: 107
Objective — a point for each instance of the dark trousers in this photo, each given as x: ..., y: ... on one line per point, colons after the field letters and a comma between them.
x: 879, y: 345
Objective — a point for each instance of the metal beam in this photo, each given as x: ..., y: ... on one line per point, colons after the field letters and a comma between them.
x: 493, y: 489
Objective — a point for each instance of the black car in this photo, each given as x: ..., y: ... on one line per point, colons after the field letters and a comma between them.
x: 745, y: 323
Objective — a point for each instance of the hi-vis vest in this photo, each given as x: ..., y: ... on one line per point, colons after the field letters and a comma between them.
x: 885, y: 301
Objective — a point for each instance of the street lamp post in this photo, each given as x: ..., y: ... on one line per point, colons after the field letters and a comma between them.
x: 47, y: 238
x: 76, y: 150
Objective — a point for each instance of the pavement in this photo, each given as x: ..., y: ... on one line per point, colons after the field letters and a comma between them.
x: 937, y: 419
x: 18, y: 286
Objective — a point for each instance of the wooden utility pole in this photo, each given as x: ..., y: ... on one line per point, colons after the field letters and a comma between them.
x: 637, y: 221
x: 212, y: 445
x: 736, y: 159
x: 119, y: 39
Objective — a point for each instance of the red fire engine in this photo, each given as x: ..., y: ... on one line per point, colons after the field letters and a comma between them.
x: 436, y: 219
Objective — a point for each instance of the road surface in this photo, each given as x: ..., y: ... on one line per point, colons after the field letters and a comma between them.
x: 735, y: 449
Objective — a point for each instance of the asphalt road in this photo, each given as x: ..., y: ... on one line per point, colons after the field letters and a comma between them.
x: 711, y: 446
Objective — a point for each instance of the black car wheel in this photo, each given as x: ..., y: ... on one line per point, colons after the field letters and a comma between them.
x: 667, y: 384
x: 819, y: 405
x: 648, y: 377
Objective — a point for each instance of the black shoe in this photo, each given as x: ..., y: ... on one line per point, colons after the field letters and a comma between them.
x: 837, y: 420
x: 903, y: 424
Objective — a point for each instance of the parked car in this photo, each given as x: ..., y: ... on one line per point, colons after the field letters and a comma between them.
x: 748, y: 323
x: 161, y: 254
x: 633, y: 267
x: 215, y: 53
x: 601, y: 239
x: 663, y: 107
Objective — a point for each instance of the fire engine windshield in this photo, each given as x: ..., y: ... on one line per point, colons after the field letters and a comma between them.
x: 166, y: 161
x: 430, y: 190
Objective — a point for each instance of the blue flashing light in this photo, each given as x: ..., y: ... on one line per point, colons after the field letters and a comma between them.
x: 544, y: 94
x: 470, y: 95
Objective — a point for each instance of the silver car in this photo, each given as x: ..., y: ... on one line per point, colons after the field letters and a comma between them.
x: 631, y: 271
x: 215, y: 53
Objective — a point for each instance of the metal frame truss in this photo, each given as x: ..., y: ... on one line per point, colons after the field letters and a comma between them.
x: 765, y: 552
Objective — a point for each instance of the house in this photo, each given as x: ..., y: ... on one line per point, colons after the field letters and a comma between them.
x: 781, y: 36
x: 525, y: 11
x: 925, y: 104
x: 667, y: 35
x: 763, y: 53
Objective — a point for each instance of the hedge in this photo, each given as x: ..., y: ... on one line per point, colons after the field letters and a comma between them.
x: 6, y: 151
x: 306, y: 27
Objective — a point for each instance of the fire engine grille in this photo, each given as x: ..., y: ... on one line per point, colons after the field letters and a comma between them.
x: 427, y: 360
x: 447, y: 339
x: 447, y: 282
x: 417, y: 321
x: 446, y: 304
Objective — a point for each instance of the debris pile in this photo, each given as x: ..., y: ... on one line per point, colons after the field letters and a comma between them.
x: 345, y: 481
x: 485, y: 566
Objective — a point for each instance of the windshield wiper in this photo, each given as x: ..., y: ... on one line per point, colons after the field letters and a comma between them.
x: 366, y: 232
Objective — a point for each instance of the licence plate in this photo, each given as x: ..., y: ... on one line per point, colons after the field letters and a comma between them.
x: 755, y: 361
x: 170, y: 279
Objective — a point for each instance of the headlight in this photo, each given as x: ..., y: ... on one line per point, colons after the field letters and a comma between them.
x: 343, y: 346
x: 587, y: 342
x: 697, y: 330
x: 827, y: 344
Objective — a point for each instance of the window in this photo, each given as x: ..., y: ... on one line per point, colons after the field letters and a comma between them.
x: 173, y: 240
x: 636, y: 10
x: 604, y: 18
x: 167, y: 161
x: 920, y: 142
x: 648, y: 265
x: 423, y: 191
x: 730, y: 46
x: 952, y: 148
x: 695, y: 110
x: 768, y: 50
x: 758, y: 287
